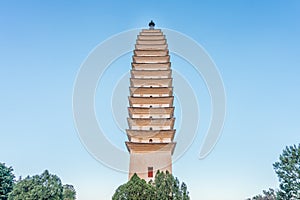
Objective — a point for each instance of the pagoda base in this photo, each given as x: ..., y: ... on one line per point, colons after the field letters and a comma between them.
x: 140, y: 163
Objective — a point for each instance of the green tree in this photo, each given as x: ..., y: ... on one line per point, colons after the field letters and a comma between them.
x: 134, y: 189
x: 288, y: 172
x: 39, y: 187
x: 164, y: 187
x: 168, y: 187
x: 184, y: 192
x: 267, y: 195
x: 69, y: 192
x: 6, y: 181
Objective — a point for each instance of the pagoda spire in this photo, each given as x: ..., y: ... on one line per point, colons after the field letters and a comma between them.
x: 151, y: 25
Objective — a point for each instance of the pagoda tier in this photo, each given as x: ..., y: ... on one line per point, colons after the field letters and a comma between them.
x: 150, y: 33
x: 150, y: 92
x: 151, y: 53
x: 151, y: 112
x: 151, y: 42
x: 151, y: 59
x: 160, y: 82
x: 150, y: 66
x: 160, y: 135
x: 149, y: 102
x: 152, y: 38
x: 151, y: 47
x: 150, y: 147
x: 148, y: 74
x: 151, y: 124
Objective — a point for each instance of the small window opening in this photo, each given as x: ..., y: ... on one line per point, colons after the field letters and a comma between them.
x: 150, y: 172
x: 150, y: 140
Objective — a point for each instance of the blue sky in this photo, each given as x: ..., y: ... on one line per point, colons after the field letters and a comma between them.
x: 255, y: 45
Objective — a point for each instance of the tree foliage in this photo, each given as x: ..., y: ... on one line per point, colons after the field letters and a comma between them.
x: 134, y: 189
x: 164, y: 187
x: 69, y: 192
x: 267, y: 195
x: 39, y: 187
x: 168, y: 187
x: 6, y: 181
x: 288, y: 172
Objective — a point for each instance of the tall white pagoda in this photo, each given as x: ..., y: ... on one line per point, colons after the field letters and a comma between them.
x: 151, y: 111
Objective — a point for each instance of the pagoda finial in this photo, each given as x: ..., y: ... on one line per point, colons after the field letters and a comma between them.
x: 151, y: 24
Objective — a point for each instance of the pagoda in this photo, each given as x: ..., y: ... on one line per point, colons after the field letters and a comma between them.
x: 151, y: 111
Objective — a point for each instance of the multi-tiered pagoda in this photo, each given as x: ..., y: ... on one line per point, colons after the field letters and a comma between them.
x: 151, y: 111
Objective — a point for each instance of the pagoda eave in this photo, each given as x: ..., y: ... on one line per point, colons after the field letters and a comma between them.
x: 151, y: 74
x: 151, y: 59
x: 151, y: 112
x: 147, y: 134
x: 151, y: 92
x: 136, y: 147
x: 151, y: 37
x: 150, y: 66
x: 145, y: 101
x: 151, y: 53
x: 151, y: 82
x: 151, y: 122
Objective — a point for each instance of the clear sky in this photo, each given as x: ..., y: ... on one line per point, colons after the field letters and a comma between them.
x: 255, y: 45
